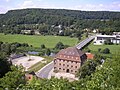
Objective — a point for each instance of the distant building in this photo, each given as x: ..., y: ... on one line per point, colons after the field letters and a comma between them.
x: 29, y: 76
x: 95, y: 31
x: 69, y: 60
x: 116, y: 33
x: 100, y: 39
x: 25, y: 31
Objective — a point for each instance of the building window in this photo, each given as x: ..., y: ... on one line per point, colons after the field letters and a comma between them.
x: 75, y: 66
x: 76, y: 62
x: 54, y: 67
x: 71, y: 70
x: 63, y: 64
x: 59, y: 68
x: 71, y: 66
x: 67, y: 65
x: 68, y: 56
x: 59, y: 63
x: 63, y: 69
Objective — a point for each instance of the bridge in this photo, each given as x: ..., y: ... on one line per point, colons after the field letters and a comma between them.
x: 84, y: 42
x: 45, y: 71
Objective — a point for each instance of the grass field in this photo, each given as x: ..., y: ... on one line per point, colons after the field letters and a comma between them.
x: 113, y: 48
x: 36, y: 41
x: 39, y: 65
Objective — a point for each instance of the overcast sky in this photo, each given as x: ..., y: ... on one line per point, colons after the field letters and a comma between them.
x: 87, y: 5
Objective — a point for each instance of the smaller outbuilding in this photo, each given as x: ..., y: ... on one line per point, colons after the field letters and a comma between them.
x: 100, y: 39
x: 90, y: 56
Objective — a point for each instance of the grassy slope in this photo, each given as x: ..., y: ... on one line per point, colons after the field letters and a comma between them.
x: 36, y: 41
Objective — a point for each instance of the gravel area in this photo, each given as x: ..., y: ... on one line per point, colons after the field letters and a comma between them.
x: 26, y: 61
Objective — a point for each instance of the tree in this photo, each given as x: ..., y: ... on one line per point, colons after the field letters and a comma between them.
x: 87, y: 69
x: 42, y: 46
x: 48, y: 52
x: 99, y: 49
x: 106, y: 51
x: 86, y: 34
x: 86, y: 49
x: 59, y: 45
x: 13, y: 78
x: 4, y: 64
x: 79, y: 38
x: 106, y: 76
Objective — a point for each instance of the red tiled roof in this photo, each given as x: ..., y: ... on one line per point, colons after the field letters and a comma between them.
x: 90, y: 56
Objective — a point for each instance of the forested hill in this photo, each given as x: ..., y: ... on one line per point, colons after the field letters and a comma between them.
x: 46, y: 21
x: 51, y: 16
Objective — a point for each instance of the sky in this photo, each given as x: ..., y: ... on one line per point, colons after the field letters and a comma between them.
x: 84, y: 5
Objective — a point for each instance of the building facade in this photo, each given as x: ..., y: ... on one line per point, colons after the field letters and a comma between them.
x: 100, y: 39
x: 69, y: 60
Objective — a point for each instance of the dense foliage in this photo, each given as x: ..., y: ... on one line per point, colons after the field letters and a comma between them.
x: 58, y: 21
x: 12, y: 79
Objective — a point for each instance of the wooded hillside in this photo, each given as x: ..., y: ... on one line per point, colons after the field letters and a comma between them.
x: 25, y: 19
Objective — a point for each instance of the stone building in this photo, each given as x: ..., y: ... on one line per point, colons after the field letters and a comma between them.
x: 69, y: 60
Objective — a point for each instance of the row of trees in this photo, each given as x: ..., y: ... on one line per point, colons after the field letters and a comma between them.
x: 104, y: 27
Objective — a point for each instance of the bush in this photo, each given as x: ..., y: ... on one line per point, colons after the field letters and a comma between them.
x: 42, y: 46
x: 106, y: 51
x: 59, y: 45
x: 99, y: 49
x: 48, y: 52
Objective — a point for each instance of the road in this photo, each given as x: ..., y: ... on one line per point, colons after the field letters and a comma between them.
x: 84, y: 42
x: 44, y: 72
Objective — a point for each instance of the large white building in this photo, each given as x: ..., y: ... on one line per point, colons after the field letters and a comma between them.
x: 100, y: 39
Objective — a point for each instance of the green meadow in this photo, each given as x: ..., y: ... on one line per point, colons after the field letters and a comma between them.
x: 114, y: 49
x: 36, y: 41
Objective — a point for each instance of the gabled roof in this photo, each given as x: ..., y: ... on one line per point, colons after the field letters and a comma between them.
x: 70, y: 53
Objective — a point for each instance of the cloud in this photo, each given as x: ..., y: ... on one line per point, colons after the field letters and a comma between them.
x: 22, y: 4
x: 7, y: 0
x: 99, y: 7
x: 27, y: 4
x: 35, y: 4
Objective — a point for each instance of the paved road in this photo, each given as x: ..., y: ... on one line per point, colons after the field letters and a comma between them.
x: 44, y: 72
x: 84, y: 42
